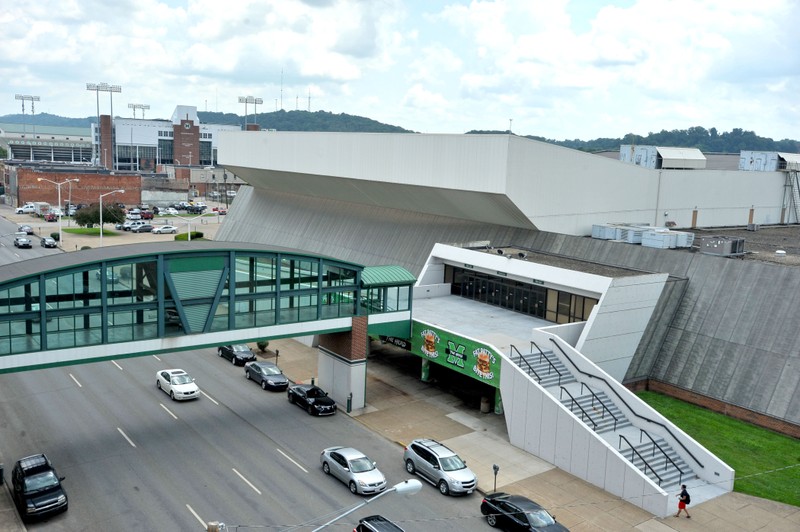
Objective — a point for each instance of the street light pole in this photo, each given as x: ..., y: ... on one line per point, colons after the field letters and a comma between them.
x: 60, y: 206
x: 407, y: 487
x: 101, y: 211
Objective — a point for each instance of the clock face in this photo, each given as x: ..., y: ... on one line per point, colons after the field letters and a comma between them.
x: 187, y: 125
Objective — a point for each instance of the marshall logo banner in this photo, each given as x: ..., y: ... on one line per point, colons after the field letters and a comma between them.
x: 467, y: 356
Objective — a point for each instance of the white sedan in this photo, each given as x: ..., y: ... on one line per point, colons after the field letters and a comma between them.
x: 169, y: 211
x: 178, y: 384
x: 165, y: 229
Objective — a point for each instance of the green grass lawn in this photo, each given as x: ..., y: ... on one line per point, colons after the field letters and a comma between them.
x: 767, y: 464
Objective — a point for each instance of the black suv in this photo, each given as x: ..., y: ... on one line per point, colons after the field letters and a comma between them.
x: 36, y: 488
x: 376, y: 523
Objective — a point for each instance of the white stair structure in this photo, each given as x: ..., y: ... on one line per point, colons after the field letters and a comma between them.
x: 564, y: 409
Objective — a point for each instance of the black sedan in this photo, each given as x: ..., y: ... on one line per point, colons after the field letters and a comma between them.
x: 237, y: 354
x: 267, y: 374
x: 312, y: 398
x: 27, y: 229
x: 514, y: 512
x: 48, y: 242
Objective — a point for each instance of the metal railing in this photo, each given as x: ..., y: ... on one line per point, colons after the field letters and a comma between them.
x: 657, y: 446
x: 605, y: 408
x: 523, y: 359
x: 576, y: 403
x: 549, y: 362
x: 646, y: 465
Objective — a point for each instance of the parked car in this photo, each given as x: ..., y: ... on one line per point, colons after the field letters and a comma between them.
x: 440, y: 466
x: 178, y: 384
x: 220, y: 211
x: 143, y: 228
x: 312, y: 398
x: 165, y: 229
x: 354, y: 469
x: 48, y: 242
x: 111, y: 277
x: 195, y: 209
x: 267, y: 374
x: 130, y: 224
x: 147, y: 215
x: 236, y: 353
x: 27, y: 229
x: 22, y: 242
x: 514, y: 512
x: 172, y: 317
x: 172, y: 211
x: 50, y: 217
x: 376, y: 523
x: 36, y: 488
x: 28, y: 208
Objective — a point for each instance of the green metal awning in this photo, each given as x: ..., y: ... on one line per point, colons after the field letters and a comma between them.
x: 377, y: 276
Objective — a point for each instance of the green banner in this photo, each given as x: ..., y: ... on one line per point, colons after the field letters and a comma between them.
x: 466, y: 356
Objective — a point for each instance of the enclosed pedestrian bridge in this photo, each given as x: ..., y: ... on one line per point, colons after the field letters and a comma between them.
x: 141, y: 299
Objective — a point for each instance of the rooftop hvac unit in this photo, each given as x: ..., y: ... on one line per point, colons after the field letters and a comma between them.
x: 659, y: 238
x: 725, y: 246
x: 753, y: 227
x: 604, y: 231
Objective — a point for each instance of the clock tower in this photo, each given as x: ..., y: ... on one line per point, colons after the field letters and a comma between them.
x: 186, y: 143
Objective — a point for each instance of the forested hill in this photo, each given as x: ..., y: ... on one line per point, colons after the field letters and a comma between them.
x: 706, y: 140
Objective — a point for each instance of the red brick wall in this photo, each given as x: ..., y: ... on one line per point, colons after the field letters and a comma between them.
x: 106, y: 143
x: 351, y: 345
x: 87, y: 190
x: 186, y: 143
x: 737, y: 412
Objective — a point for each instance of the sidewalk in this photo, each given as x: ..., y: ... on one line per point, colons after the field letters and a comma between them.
x: 401, y: 408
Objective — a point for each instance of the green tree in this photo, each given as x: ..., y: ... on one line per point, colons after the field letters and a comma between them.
x: 90, y: 216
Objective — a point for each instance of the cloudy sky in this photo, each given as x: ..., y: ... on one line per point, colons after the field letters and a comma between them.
x: 557, y: 68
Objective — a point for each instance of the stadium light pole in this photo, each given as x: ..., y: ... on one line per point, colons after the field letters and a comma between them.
x: 101, y: 211
x: 104, y: 87
x: 27, y: 98
x: 249, y: 99
x: 60, y: 205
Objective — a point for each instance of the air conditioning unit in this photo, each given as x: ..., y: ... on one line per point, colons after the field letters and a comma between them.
x: 753, y: 227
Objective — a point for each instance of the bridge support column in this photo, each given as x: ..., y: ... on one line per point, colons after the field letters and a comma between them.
x: 342, y: 364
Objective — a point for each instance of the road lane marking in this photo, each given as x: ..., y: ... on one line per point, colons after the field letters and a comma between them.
x: 292, y: 461
x: 246, y: 481
x: 126, y: 437
x: 209, y: 397
x: 118, y: 366
x: 76, y: 380
x: 156, y: 357
x: 202, y: 523
x: 168, y: 410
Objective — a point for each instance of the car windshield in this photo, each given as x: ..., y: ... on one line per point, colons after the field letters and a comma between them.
x: 452, y: 463
x: 241, y: 348
x: 40, y: 481
x: 271, y: 370
x: 315, y: 392
x: 539, y: 518
x: 361, y: 465
x: 181, y: 379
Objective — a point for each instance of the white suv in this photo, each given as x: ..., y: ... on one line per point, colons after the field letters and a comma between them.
x: 440, y: 466
x: 131, y: 224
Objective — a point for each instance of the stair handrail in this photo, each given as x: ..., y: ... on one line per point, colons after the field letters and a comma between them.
x: 522, y: 359
x: 635, y: 413
x: 605, y: 408
x: 549, y: 362
x: 656, y: 445
x: 633, y: 450
x: 576, y: 403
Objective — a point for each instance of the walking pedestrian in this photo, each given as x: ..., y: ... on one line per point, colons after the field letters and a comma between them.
x: 683, y: 501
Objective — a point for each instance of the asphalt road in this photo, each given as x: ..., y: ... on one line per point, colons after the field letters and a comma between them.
x: 135, y: 460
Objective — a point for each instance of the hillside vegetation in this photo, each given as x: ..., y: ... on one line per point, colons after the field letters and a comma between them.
x: 706, y: 140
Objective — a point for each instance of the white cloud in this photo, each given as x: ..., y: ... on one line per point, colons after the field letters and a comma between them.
x: 559, y: 68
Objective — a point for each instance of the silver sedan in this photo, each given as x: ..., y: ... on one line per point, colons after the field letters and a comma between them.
x: 354, y: 469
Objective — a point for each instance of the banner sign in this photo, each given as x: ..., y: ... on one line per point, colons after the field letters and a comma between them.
x: 469, y: 357
x: 399, y: 342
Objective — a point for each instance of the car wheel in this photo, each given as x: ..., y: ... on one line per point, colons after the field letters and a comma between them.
x: 443, y: 489
x: 326, y: 468
x: 158, y: 384
x: 290, y: 396
x: 233, y: 360
x: 410, y: 466
x: 172, y: 395
x: 310, y: 410
x: 491, y: 519
x: 247, y: 375
x: 353, y: 487
x: 219, y: 352
x: 263, y: 385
